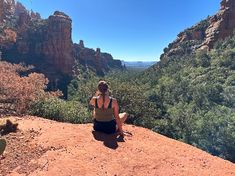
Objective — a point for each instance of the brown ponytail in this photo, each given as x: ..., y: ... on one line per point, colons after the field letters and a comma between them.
x: 103, y: 88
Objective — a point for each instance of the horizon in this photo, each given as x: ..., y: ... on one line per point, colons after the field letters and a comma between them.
x: 139, y: 61
x: 139, y: 33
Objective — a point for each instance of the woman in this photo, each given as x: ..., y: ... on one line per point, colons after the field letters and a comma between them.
x: 106, y: 111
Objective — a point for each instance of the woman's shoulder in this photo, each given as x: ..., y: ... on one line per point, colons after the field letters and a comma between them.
x: 95, y: 97
x: 114, y: 99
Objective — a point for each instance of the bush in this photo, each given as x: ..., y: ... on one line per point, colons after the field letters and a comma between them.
x: 203, y: 59
x: 60, y: 110
x: 228, y: 59
x: 216, y: 133
x: 16, y: 91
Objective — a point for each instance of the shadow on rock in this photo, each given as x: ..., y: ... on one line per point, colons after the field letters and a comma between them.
x: 109, y: 140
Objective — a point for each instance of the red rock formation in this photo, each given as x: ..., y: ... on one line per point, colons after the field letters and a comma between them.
x: 23, y: 17
x: 7, y: 8
x: 81, y: 44
x: 46, y: 44
x: 48, y: 40
x: 95, y: 60
x: 24, y: 20
x: 35, y: 16
x: 204, y: 34
x: 1, y: 11
x: 57, y: 45
x: 222, y: 24
x: 19, y: 8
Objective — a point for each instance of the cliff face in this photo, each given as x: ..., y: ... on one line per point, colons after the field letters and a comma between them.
x: 46, y: 44
x: 7, y: 8
x: 95, y: 60
x: 57, y: 43
x: 204, y: 34
x: 25, y: 37
x: 1, y: 11
x: 221, y: 25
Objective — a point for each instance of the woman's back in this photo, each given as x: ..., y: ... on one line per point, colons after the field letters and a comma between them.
x: 103, y: 110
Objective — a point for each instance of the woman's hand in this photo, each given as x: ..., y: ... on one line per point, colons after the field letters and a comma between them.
x: 120, y: 132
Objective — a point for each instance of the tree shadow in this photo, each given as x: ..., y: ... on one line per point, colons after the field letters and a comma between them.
x: 109, y: 140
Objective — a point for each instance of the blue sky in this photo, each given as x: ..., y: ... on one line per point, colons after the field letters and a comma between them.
x: 131, y: 30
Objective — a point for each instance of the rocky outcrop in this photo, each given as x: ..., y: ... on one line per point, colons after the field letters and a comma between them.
x: 46, y: 44
x: 221, y: 25
x: 1, y: 11
x: 35, y: 15
x: 7, y: 8
x: 19, y: 9
x: 187, y: 41
x: 204, y: 34
x: 24, y: 18
x: 95, y: 60
x: 48, y: 40
x: 57, y: 43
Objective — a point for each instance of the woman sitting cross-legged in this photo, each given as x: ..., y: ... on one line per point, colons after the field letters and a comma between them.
x: 106, y: 115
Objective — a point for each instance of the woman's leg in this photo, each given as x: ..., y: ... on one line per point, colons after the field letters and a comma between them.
x: 123, y: 117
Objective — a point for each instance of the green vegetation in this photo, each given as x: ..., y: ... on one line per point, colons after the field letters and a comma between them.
x: 196, y: 96
x: 61, y: 110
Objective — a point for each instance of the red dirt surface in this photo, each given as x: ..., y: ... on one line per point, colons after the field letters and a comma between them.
x: 46, y: 148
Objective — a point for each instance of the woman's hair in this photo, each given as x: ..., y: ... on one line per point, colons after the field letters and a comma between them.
x: 103, y: 88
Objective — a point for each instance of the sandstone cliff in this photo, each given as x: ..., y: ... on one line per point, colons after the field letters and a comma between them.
x: 46, y: 44
x: 7, y: 8
x: 204, y: 34
x: 95, y: 60
x: 221, y: 25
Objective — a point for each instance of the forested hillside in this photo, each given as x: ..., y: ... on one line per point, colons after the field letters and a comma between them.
x: 196, y: 98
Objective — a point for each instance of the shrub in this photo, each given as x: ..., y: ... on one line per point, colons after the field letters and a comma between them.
x: 203, y: 59
x: 17, y: 92
x: 216, y: 133
x: 228, y: 59
x: 60, y: 110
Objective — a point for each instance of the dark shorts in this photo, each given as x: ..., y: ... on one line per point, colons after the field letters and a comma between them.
x: 105, y: 127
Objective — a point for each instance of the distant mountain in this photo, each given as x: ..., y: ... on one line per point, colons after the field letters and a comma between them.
x: 138, y: 64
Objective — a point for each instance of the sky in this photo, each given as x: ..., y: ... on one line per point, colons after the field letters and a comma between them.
x: 130, y: 30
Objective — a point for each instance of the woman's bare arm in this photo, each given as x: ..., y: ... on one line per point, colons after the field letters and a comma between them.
x: 92, y: 101
x: 92, y: 105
